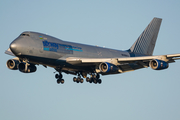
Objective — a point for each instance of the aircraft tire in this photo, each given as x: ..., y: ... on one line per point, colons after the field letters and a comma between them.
x: 99, y: 81
x: 93, y: 76
x: 74, y: 79
x: 95, y: 81
x: 78, y: 79
x: 97, y: 76
x: 58, y: 81
x: 91, y: 80
x: 87, y: 79
x: 56, y: 76
x: 81, y: 80
x: 62, y: 81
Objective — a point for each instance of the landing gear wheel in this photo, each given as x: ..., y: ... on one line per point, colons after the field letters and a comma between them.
x: 99, y: 81
x: 59, y: 78
x: 93, y: 76
x: 62, y: 81
x: 87, y: 79
x: 97, y: 76
x: 74, y: 79
x: 58, y: 81
x: 78, y: 79
x: 56, y: 76
x: 81, y: 80
x: 91, y: 80
x: 95, y: 81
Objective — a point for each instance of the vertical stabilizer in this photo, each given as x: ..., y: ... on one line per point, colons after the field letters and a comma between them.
x: 146, y: 42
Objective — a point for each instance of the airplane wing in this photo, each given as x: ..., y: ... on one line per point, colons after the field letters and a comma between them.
x: 125, y: 64
x: 167, y: 58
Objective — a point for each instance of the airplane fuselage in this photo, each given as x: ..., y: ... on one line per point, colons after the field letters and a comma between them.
x: 44, y: 49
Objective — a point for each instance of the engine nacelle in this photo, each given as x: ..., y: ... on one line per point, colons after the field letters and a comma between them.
x: 12, y: 64
x: 106, y: 67
x: 30, y: 68
x: 158, y: 64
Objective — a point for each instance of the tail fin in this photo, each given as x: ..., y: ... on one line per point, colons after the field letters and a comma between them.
x: 146, y: 42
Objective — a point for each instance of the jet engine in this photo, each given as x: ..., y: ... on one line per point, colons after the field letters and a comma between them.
x: 158, y: 64
x: 106, y: 67
x: 12, y: 64
x: 29, y: 69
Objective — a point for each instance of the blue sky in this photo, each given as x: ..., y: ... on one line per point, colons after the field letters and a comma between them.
x: 144, y: 94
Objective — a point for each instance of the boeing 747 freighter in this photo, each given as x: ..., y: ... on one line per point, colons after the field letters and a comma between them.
x: 86, y: 61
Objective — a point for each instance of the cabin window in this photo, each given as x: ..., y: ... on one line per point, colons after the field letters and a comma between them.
x: 24, y: 34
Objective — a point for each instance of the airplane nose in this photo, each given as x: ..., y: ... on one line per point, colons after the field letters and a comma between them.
x: 13, y: 46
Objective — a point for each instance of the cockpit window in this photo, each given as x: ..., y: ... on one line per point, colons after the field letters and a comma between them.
x: 23, y: 34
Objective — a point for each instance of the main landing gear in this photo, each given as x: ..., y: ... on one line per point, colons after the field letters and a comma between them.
x: 59, y: 78
x: 94, y: 78
x: 78, y: 79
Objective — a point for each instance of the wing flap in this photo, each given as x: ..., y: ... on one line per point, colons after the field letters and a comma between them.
x: 89, y: 60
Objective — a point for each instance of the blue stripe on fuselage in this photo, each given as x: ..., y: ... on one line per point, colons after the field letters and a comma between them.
x: 73, y: 49
x: 62, y: 48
